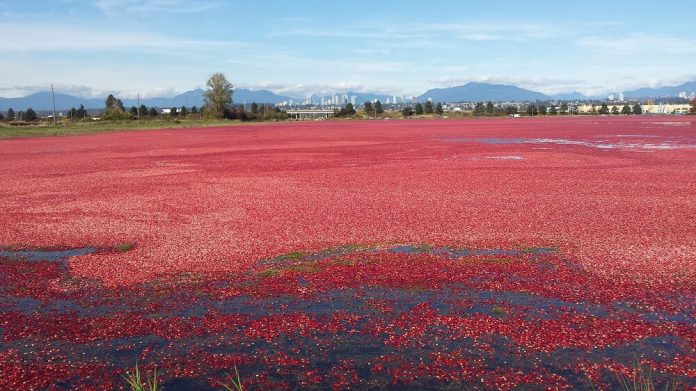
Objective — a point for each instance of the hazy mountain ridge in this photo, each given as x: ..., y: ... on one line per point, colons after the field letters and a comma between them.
x: 661, y: 92
x: 42, y: 100
x: 470, y: 92
x: 476, y: 91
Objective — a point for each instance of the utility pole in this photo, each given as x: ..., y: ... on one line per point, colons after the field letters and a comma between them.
x: 54, y: 105
x: 138, y: 111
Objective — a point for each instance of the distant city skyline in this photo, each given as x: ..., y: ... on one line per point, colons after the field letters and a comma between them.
x: 395, y: 48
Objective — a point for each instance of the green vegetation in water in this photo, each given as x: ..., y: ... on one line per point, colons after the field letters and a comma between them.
x: 268, y: 273
x: 498, y: 311
x: 235, y: 381
x: 643, y: 379
x: 344, y: 262
x: 424, y: 247
x: 135, y: 382
x: 416, y: 289
x: 295, y: 255
x: 306, y: 268
x: 344, y: 249
x: 123, y: 247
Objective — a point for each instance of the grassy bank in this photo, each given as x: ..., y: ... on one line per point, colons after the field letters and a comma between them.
x: 66, y: 128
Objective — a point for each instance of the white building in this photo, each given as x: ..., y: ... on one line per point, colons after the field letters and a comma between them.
x: 665, y: 108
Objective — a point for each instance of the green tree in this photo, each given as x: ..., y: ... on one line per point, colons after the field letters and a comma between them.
x: 142, y: 110
x: 30, y: 115
x: 81, y: 112
x: 346, y: 110
x: 510, y: 109
x: 218, y: 96
x: 133, y: 111
x: 564, y: 108
x: 614, y: 110
x: 604, y: 110
x: 194, y: 109
x: 10, y: 114
x: 113, y: 104
x: 254, y: 108
x: 438, y: 109
x: 367, y: 106
x: 541, y: 109
x: 419, y: 108
x: 637, y: 109
x: 113, y: 109
x: 378, y: 107
x: 693, y: 106
x: 153, y: 112
x: 428, y: 108
x: 594, y: 109
x: 407, y: 111
x: 184, y: 111
x: 626, y: 110
x: 173, y: 112
x: 532, y: 110
x: 479, y: 109
x: 72, y: 113
x: 1, y: 117
x: 490, y: 108
x: 553, y: 110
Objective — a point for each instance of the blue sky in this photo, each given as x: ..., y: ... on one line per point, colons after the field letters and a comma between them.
x: 162, y: 47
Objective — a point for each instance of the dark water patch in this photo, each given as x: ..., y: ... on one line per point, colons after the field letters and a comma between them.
x: 685, y: 315
x: 186, y: 384
x: 404, y: 319
x: 41, y: 255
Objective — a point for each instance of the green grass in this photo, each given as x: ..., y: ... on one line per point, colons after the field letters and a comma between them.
x: 643, y: 379
x: 236, y: 382
x: 135, y: 382
x: 67, y: 128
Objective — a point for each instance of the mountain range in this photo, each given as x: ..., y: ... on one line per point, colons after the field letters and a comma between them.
x: 661, y: 92
x: 475, y: 91
x: 42, y: 100
x: 470, y: 92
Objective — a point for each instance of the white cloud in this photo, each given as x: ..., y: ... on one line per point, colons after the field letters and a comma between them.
x: 496, y: 31
x: 431, y: 32
x: 300, y: 90
x: 56, y: 37
x: 148, y: 7
x: 638, y: 45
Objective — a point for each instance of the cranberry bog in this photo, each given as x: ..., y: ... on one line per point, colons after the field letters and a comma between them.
x: 520, y: 253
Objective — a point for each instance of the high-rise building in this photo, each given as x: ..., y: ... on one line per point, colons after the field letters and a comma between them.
x: 354, y: 100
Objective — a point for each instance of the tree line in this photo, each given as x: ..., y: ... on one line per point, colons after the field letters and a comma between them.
x: 29, y: 115
x: 625, y: 110
x: 426, y: 108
